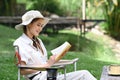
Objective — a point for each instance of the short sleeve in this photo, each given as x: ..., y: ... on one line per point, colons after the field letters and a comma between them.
x: 24, y: 55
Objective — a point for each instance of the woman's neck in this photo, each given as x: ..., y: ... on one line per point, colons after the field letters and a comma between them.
x: 29, y: 35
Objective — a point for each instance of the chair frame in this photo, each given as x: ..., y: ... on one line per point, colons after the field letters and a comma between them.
x: 59, y: 65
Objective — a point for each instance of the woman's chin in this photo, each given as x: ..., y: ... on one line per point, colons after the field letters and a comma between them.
x: 37, y: 35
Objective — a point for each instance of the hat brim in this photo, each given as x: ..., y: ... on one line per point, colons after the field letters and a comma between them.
x: 21, y: 25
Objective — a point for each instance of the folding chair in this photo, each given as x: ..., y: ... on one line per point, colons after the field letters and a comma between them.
x: 59, y: 65
x: 17, y: 59
x: 18, y: 64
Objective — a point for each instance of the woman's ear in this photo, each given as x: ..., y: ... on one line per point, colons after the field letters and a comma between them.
x: 28, y: 27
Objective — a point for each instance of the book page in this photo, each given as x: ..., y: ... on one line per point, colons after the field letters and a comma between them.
x: 61, y: 50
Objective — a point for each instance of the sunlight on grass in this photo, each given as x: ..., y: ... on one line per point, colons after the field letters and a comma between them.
x: 11, y: 40
x: 5, y: 51
x: 102, y: 51
x: 106, y: 58
x: 71, y: 31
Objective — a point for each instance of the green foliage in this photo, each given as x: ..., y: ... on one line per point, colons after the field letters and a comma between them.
x: 71, y: 7
x: 112, y: 15
x: 7, y: 7
x: 65, y: 7
x: 45, y: 6
x: 74, y: 8
x: 92, y: 7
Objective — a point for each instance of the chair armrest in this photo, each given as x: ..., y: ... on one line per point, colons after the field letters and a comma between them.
x: 38, y: 67
x: 66, y: 62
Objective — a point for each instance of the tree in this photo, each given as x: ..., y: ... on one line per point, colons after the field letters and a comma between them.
x: 112, y: 15
x: 7, y: 7
x: 45, y: 6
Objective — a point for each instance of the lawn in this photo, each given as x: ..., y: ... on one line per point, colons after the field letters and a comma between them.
x: 91, y: 50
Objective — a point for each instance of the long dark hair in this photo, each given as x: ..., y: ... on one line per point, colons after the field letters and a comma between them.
x: 24, y: 29
x: 36, y: 42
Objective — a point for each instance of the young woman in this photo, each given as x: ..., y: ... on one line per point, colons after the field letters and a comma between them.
x: 33, y: 51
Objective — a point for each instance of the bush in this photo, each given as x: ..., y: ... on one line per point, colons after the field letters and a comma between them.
x: 46, y: 6
x: 112, y: 14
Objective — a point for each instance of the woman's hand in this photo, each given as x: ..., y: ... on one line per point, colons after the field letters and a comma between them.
x: 51, y: 60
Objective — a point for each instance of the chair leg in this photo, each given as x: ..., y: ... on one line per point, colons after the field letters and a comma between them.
x: 75, y: 66
x: 64, y: 73
x: 18, y: 74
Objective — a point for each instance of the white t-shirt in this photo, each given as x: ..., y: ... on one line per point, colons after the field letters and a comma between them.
x: 29, y: 54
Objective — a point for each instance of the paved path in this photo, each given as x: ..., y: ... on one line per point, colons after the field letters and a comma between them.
x: 114, y: 44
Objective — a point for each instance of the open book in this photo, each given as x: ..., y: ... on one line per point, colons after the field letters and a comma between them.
x: 61, y: 50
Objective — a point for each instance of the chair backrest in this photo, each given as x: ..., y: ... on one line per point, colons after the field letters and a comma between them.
x: 17, y: 59
x: 17, y: 56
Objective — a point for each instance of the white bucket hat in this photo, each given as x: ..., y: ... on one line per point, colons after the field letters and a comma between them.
x: 28, y: 17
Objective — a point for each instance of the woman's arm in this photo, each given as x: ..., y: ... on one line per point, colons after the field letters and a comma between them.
x: 49, y: 63
x: 26, y: 71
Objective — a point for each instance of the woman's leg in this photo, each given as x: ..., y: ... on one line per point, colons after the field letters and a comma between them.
x: 41, y: 76
x: 77, y: 75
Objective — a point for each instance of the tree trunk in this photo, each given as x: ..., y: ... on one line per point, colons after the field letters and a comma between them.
x: 7, y: 7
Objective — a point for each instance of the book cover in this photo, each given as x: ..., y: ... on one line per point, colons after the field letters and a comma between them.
x: 61, y: 50
x: 114, y: 69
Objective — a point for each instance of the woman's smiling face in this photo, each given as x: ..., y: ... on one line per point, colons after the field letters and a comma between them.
x: 35, y: 27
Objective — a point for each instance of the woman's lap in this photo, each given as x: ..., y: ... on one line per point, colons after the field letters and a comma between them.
x: 76, y: 75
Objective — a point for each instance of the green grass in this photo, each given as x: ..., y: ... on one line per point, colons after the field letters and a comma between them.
x: 91, y: 51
